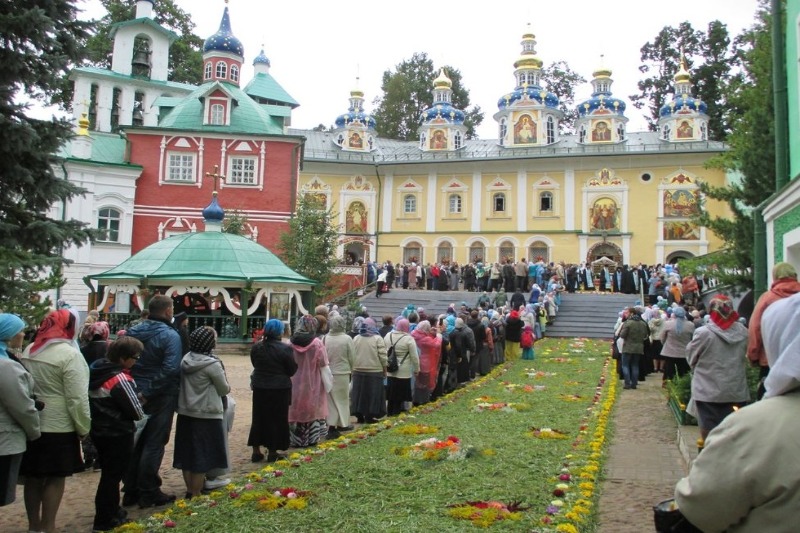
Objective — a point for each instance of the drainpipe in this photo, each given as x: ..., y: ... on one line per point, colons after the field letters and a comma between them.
x: 378, y: 210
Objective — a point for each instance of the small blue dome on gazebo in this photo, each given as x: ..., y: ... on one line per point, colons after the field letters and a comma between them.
x: 224, y: 40
x: 213, y: 212
x: 442, y: 110
x: 682, y: 104
x: 533, y: 93
x: 261, y: 59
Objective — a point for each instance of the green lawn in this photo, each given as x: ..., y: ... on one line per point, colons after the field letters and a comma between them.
x: 371, y: 480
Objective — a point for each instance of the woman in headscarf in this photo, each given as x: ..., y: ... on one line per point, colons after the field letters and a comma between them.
x: 308, y: 414
x: 356, y: 327
x: 96, y: 335
x: 271, y: 381
x: 656, y: 324
x: 513, y: 333
x: 19, y: 419
x: 398, y: 388
x: 746, y: 478
x: 61, y: 382
x: 368, y: 398
x: 675, y: 335
x: 341, y: 356
x: 429, y: 345
x: 717, y: 355
x: 199, y: 430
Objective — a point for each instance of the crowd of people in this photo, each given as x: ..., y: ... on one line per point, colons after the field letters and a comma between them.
x: 72, y: 399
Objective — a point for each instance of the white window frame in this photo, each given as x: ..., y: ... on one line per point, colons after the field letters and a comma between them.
x: 105, y: 220
x: 181, y: 167
x: 457, y: 140
x: 410, y: 204
x: 216, y: 115
x: 242, y: 171
x: 221, y: 70
x: 455, y: 204
x: 209, y: 71
x: 551, y: 130
x: 542, y: 196
x: 495, y: 197
x: 234, y: 73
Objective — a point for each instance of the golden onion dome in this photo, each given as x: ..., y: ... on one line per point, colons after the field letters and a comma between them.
x: 442, y: 81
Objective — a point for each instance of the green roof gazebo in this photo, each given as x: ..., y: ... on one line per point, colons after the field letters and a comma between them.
x: 211, y: 263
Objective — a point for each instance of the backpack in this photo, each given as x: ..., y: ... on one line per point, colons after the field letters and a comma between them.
x: 392, y: 364
x: 526, y: 339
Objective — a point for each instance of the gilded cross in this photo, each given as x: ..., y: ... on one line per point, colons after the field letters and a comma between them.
x: 216, y: 176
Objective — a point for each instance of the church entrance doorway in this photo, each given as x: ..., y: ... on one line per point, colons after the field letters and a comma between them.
x: 604, y: 249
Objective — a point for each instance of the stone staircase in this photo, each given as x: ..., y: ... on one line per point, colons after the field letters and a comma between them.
x: 589, y: 314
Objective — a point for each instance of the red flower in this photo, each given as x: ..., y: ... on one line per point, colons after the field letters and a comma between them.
x: 169, y: 523
x: 564, y: 477
x: 233, y: 494
x: 558, y: 493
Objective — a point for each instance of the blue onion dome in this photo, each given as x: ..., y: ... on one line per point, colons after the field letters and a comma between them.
x: 355, y: 113
x: 601, y: 95
x: 683, y: 101
x: 261, y: 59
x: 528, y: 70
x: 534, y: 94
x: 224, y: 40
x: 442, y: 112
x: 213, y: 212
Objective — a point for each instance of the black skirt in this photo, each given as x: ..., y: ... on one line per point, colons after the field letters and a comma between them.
x: 52, y: 455
x: 368, y: 398
x: 199, y: 444
x: 270, y: 423
x: 9, y: 469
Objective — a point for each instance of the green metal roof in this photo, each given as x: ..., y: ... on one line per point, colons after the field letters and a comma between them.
x: 107, y: 149
x: 147, y: 22
x: 278, y: 110
x: 205, y: 256
x: 247, y: 117
x: 264, y: 86
x: 167, y: 101
x: 110, y: 74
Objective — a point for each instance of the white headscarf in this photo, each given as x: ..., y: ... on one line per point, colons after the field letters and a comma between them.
x: 782, y: 345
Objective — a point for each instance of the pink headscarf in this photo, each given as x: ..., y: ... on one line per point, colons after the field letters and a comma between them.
x: 403, y: 325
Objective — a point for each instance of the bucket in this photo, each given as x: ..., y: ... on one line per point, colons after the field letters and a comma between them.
x: 669, y: 519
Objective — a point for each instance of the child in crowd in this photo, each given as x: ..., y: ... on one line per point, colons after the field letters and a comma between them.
x: 114, y: 407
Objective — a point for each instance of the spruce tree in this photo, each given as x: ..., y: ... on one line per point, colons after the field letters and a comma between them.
x: 40, y: 40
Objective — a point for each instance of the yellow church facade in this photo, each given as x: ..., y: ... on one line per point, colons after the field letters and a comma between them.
x: 533, y: 192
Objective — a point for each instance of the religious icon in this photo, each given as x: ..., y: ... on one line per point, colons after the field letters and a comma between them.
x: 279, y: 306
x: 601, y: 132
x: 438, y: 141
x: 685, y: 130
x: 603, y: 215
x: 681, y: 203
x: 356, y: 141
x: 681, y: 231
x: 525, y: 131
x: 356, y: 218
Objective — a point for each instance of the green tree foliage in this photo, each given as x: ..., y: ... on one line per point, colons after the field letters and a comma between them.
x: 408, y: 91
x: 562, y: 81
x: 751, y: 154
x: 710, y: 58
x: 309, y: 247
x: 40, y: 39
x: 235, y: 222
x: 185, y: 61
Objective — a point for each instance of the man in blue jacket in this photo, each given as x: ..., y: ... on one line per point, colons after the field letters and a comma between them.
x: 157, y: 375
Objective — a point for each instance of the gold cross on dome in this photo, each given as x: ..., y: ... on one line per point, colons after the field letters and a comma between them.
x: 216, y: 176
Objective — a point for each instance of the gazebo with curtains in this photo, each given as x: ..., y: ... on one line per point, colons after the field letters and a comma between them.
x: 228, y: 277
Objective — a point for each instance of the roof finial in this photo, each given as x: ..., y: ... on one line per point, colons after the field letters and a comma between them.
x: 216, y: 176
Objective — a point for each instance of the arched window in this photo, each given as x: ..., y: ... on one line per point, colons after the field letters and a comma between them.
x: 703, y: 132
x: 444, y: 253
x: 665, y: 132
x: 108, y: 223
x: 621, y: 132
x: 412, y: 252
x: 217, y: 114
x: 582, y: 134
x: 457, y: 140
x: 538, y: 251
x: 546, y: 202
x: 499, y: 202
x: 503, y: 131
x: 422, y: 139
x: 409, y: 204
x: 506, y: 251
x: 551, y: 130
x: 208, y: 71
x: 222, y: 70
x: 234, y: 73
x: 455, y: 204
x: 477, y: 253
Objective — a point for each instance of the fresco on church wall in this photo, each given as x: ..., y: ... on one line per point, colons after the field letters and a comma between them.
x: 601, y: 132
x: 438, y: 140
x: 681, y: 231
x: 525, y: 130
x: 685, y: 130
x: 355, y: 141
x: 604, y: 215
x: 356, y: 218
x: 681, y: 203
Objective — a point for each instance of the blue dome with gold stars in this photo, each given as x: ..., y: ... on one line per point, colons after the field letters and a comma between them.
x: 683, y: 104
x: 224, y: 40
x: 355, y: 113
x: 442, y: 111
x: 532, y: 93
x: 261, y: 59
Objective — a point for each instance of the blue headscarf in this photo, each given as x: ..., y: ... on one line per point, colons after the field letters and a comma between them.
x: 680, y: 317
x: 10, y: 325
x: 273, y: 329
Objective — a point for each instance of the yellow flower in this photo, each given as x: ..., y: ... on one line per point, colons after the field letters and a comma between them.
x: 566, y: 528
x: 297, y: 503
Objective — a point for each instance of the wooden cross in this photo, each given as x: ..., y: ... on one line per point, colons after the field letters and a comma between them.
x: 216, y: 176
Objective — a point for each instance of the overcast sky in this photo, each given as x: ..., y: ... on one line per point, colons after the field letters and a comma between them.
x: 318, y: 47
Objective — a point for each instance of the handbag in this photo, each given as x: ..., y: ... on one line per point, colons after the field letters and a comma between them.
x: 327, y: 377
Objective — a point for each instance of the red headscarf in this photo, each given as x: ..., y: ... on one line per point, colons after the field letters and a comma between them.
x: 57, y: 326
x: 722, y: 312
